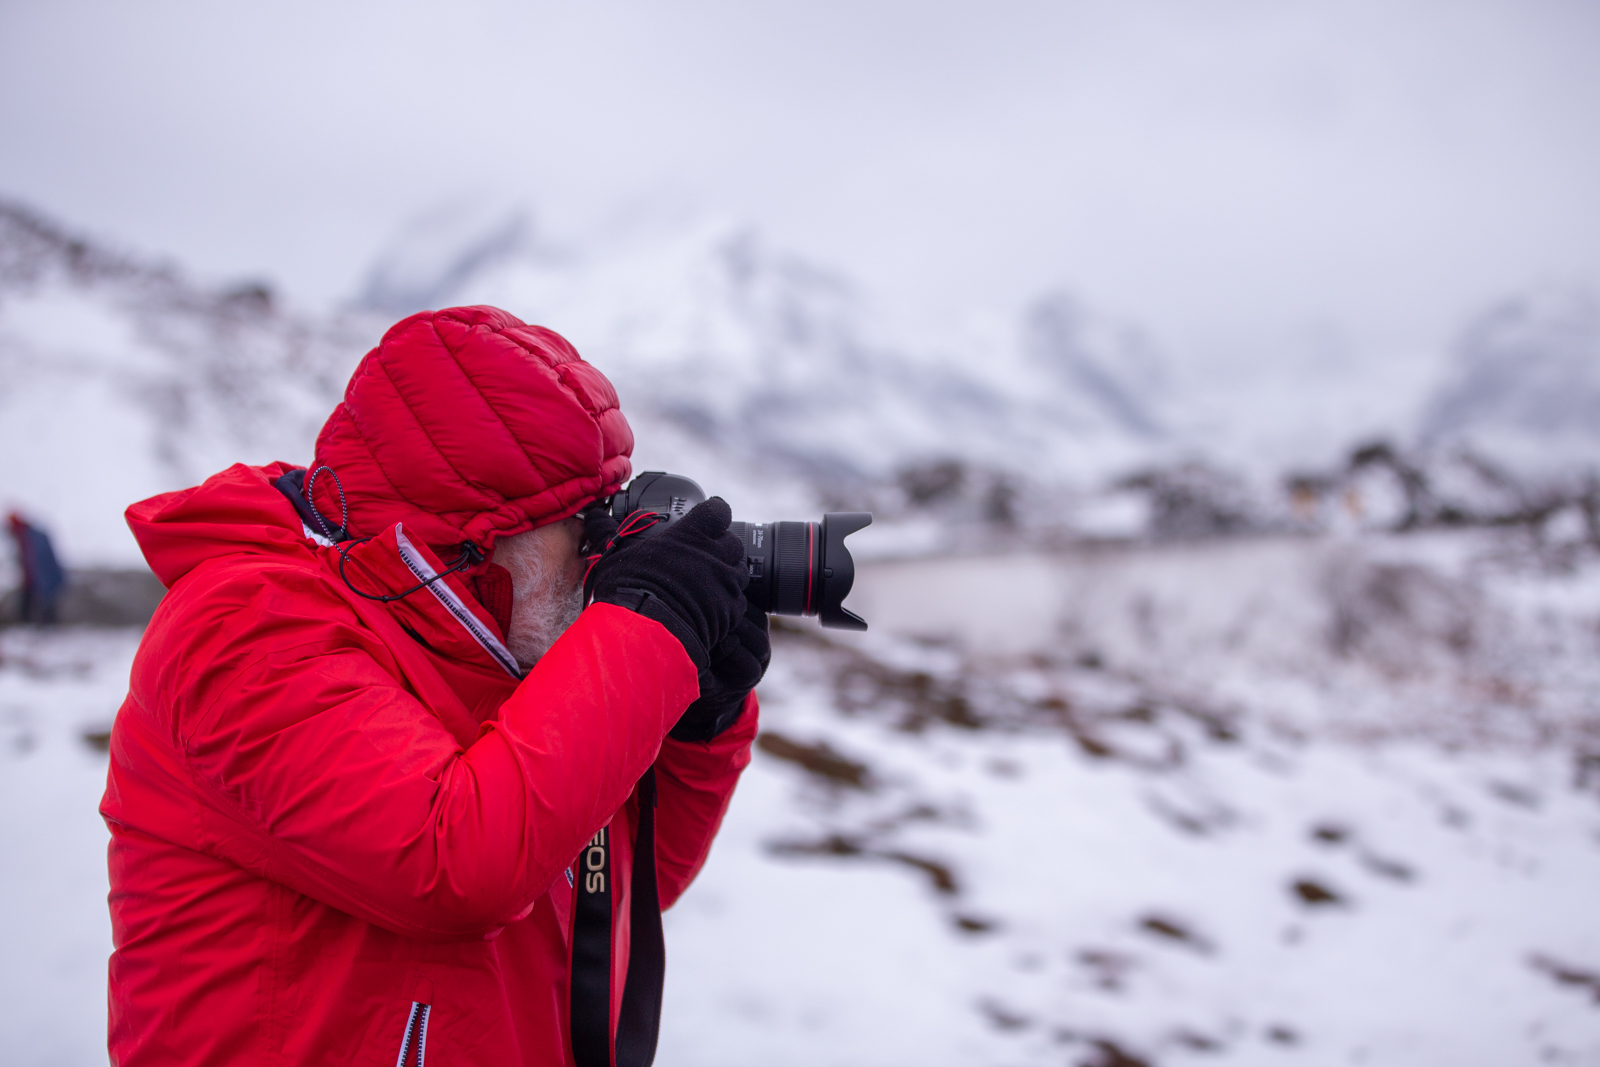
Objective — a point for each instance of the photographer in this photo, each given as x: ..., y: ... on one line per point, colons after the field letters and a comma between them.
x: 417, y: 746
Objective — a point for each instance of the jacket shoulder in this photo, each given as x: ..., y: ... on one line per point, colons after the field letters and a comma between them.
x: 231, y: 613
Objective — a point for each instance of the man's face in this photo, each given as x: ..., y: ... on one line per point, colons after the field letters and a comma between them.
x: 546, y: 586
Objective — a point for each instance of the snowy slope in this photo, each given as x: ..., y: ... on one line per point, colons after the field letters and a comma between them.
x: 120, y: 378
x: 1007, y: 896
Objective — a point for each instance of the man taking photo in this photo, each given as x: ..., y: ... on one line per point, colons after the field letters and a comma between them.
x: 417, y: 747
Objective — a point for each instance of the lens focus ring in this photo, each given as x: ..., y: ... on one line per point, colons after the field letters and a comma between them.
x: 791, y: 562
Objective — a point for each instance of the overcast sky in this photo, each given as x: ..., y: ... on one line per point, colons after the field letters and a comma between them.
x: 1224, y: 173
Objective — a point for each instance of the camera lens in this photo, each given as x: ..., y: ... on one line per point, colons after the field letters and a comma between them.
x: 782, y: 560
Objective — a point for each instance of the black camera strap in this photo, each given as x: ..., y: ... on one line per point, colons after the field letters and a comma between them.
x: 640, y: 1021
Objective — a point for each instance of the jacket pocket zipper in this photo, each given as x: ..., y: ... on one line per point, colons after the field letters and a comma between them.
x: 416, y: 1037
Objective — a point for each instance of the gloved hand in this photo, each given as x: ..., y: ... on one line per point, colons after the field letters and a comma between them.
x: 737, y: 664
x: 689, y: 577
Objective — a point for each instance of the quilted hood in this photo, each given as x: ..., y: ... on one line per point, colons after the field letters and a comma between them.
x: 467, y: 424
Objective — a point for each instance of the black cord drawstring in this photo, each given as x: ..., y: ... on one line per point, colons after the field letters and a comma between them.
x: 471, y: 554
x: 344, y: 511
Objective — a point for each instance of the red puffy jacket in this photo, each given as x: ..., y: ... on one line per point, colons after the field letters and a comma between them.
x: 326, y: 810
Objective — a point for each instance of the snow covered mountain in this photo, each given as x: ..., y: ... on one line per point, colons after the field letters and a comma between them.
x: 763, y: 353
x: 772, y: 364
x: 1524, y: 389
x: 777, y: 383
x: 759, y: 373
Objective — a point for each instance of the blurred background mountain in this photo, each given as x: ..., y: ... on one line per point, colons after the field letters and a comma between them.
x: 771, y: 379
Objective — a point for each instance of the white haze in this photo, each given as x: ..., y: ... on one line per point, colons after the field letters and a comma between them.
x: 1254, y: 183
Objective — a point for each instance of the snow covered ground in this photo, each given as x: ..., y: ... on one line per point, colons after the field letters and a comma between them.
x: 1301, y: 801
x: 1176, y: 812
x: 1012, y: 898
x: 58, y: 693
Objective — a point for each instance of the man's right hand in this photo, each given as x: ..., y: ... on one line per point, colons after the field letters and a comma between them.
x: 737, y: 665
x: 690, y: 577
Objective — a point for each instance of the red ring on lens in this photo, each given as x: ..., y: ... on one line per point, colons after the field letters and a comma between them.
x: 811, y: 562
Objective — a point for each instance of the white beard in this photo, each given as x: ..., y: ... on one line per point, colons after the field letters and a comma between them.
x: 543, y: 605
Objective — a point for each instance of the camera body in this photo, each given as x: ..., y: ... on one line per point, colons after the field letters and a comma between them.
x: 796, y: 568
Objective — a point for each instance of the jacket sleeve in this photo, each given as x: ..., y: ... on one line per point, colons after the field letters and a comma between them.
x: 694, y: 781
x: 314, y: 767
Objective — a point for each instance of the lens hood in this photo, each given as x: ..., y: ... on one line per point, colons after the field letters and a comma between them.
x: 837, y: 569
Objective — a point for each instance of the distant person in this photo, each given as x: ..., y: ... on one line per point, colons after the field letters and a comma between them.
x: 42, y: 576
x: 395, y: 782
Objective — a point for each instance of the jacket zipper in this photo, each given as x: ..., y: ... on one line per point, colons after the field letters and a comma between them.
x: 416, y: 1037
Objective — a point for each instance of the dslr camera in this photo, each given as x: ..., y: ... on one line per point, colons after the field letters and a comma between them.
x: 796, y: 568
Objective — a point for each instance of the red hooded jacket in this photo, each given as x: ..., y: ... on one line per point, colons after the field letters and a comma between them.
x: 326, y: 810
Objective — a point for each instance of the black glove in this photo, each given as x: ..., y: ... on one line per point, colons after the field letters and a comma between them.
x: 689, y: 577
x: 737, y: 664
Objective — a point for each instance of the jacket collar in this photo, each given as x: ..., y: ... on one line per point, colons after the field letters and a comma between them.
x: 443, y: 614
